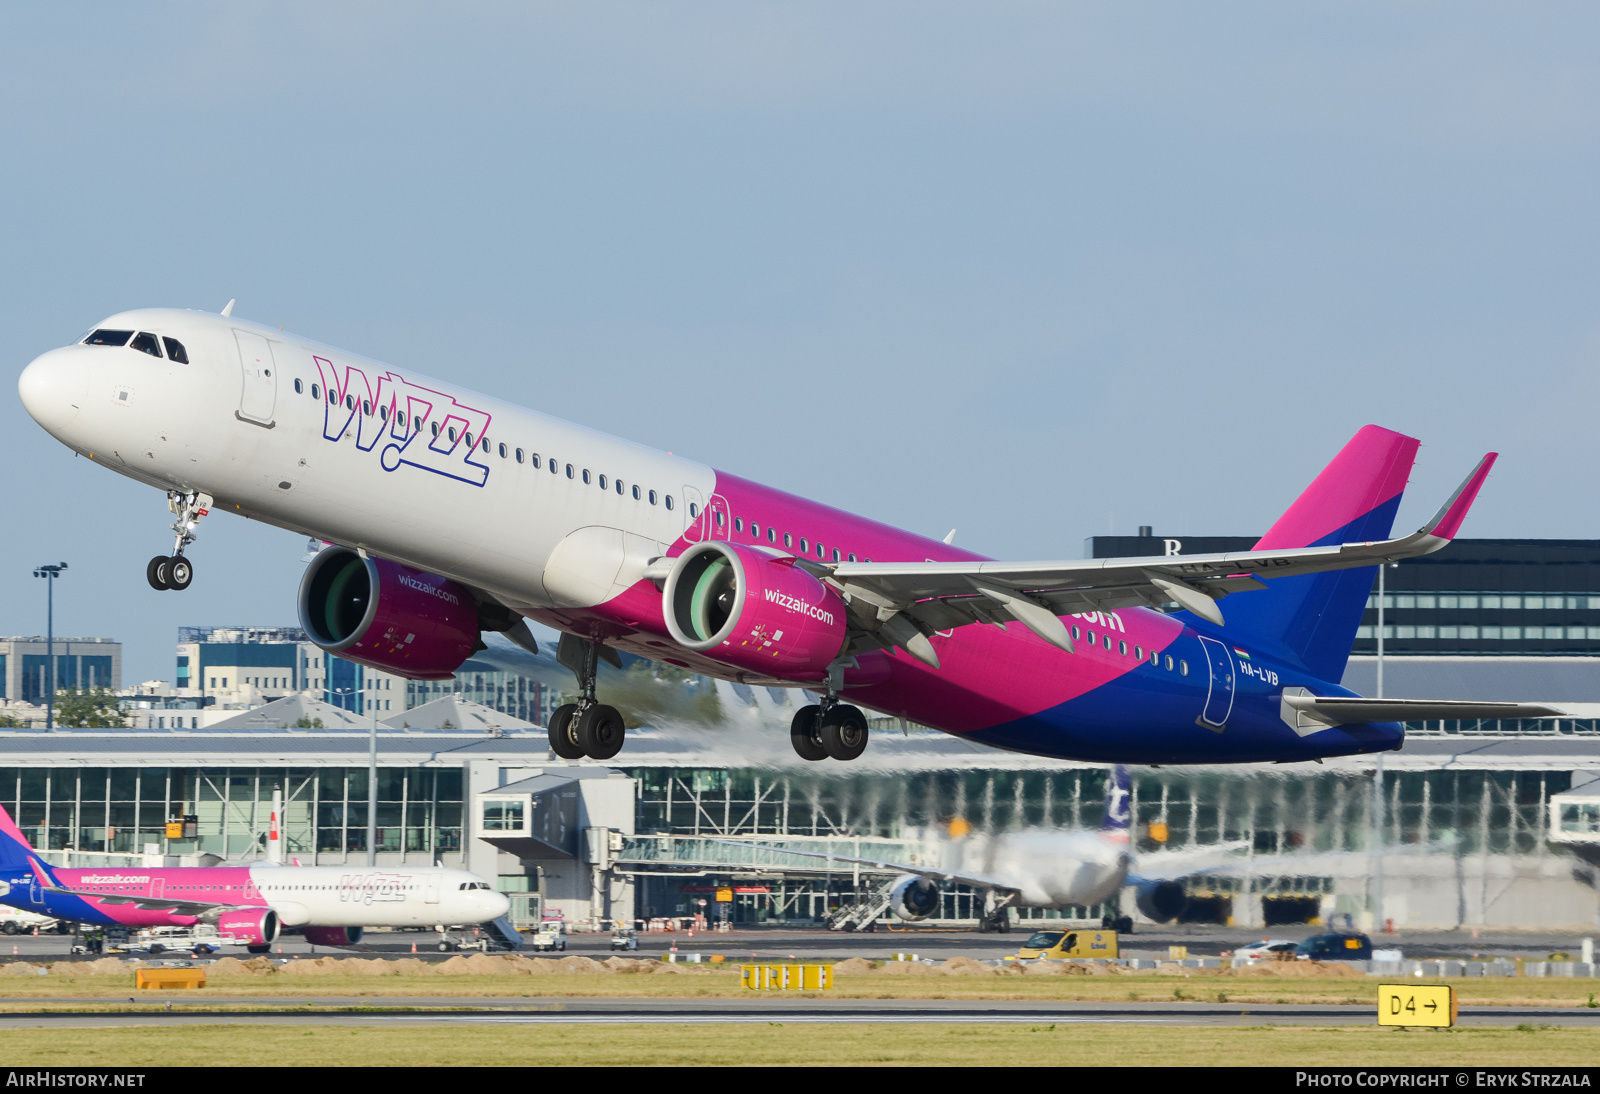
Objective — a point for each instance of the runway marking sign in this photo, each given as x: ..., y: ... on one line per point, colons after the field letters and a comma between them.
x: 1416, y: 1005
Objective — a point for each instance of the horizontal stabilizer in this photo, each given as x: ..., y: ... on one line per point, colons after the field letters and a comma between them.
x: 1309, y: 713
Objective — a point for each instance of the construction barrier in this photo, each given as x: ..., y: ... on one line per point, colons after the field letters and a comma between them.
x: 169, y: 978
x: 786, y: 977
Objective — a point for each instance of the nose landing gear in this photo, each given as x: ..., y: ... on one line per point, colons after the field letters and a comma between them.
x: 587, y: 728
x: 174, y: 571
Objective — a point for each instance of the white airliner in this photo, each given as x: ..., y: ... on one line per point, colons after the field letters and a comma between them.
x: 1045, y: 868
x: 452, y: 514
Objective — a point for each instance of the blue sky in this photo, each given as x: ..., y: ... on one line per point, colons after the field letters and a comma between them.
x: 1035, y: 271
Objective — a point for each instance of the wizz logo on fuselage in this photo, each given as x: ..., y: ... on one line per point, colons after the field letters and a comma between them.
x: 402, y: 417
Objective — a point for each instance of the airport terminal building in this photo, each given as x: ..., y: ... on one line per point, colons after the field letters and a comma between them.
x: 1452, y: 831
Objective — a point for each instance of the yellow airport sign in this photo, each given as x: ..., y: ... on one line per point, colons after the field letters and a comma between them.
x: 1416, y: 1005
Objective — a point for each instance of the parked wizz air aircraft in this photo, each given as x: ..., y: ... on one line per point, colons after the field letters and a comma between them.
x: 1044, y: 868
x: 247, y: 904
x: 455, y: 513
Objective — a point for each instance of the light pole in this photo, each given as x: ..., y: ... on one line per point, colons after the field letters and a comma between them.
x: 372, y: 788
x: 1378, y: 821
x: 372, y: 772
x: 50, y: 573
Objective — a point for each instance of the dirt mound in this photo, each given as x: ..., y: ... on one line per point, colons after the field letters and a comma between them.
x: 905, y: 968
x: 104, y: 966
x: 1295, y: 970
x: 579, y: 964
x: 315, y: 966
x: 965, y: 966
x: 852, y: 966
x: 409, y: 965
x: 630, y: 964
x: 21, y: 968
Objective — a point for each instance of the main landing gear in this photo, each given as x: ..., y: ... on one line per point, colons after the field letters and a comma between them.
x: 174, y: 571
x: 587, y: 728
x: 829, y: 728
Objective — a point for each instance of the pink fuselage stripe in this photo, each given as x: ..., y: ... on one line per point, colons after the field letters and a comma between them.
x: 211, y: 884
x: 986, y: 677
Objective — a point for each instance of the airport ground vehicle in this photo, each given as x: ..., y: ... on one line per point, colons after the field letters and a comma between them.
x: 624, y: 939
x: 20, y: 922
x: 622, y: 547
x: 1058, y: 945
x: 1335, y: 946
x: 549, y: 938
x: 1268, y: 949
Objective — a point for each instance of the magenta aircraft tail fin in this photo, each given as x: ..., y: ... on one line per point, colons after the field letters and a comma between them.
x: 15, y: 850
x: 1353, y: 500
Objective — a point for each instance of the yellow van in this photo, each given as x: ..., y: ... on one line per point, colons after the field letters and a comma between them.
x: 1070, y: 944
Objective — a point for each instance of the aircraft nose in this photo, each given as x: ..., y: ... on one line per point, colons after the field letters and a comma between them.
x: 496, y: 904
x: 53, y: 387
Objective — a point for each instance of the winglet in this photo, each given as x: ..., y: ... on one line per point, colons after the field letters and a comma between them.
x: 1447, y: 521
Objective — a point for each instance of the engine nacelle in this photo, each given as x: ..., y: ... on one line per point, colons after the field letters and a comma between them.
x: 334, y: 936
x: 914, y: 898
x: 250, y: 926
x: 754, y: 610
x: 387, y: 616
x: 1162, y: 901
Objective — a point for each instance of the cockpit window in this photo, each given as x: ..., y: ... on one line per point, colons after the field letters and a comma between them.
x: 146, y: 343
x: 108, y: 338
x: 176, y: 351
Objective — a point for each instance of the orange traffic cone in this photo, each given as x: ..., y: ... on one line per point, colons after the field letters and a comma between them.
x: 36, y: 932
x: 13, y: 949
x: 413, y: 947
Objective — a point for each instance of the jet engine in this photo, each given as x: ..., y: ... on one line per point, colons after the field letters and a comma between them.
x: 334, y: 936
x: 387, y: 616
x: 754, y: 609
x: 914, y: 898
x: 252, y: 926
x: 1162, y: 901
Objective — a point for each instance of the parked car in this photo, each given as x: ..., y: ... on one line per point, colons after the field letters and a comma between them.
x: 1335, y: 946
x: 624, y: 939
x: 1269, y: 949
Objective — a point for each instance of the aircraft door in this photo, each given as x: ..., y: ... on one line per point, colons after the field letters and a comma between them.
x: 258, y: 392
x: 1219, y: 699
x: 696, y: 519
x: 430, y: 889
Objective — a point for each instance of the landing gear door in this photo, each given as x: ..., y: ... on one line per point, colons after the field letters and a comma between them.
x: 1219, y: 700
x: 258, y: 392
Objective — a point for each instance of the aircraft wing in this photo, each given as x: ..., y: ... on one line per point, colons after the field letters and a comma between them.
x: 1173, y: 865
x: 151, y: 904
x: 974, y: 880
x: 903, y: 602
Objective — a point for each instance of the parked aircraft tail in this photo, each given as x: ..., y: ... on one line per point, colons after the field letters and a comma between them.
x: 1353, y: 500
x: 1118, y: 801
x: 15, y: 850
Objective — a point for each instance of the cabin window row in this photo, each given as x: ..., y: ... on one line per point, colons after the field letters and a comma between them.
x: 589, y: 478
x: 1121, y: 647
x: 758, y: 531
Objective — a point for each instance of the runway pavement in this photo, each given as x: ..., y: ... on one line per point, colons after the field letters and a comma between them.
x: 371, y: 1011
x: 1201, y: 939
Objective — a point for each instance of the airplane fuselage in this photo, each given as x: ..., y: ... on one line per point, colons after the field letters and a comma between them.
x: 558, y: 522
x: 319, y: 896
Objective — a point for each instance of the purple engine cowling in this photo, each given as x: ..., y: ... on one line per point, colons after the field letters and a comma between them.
x: 251, y: 926
x: 754, y: 609
x: 387, y: 616
x: 334, y: 936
